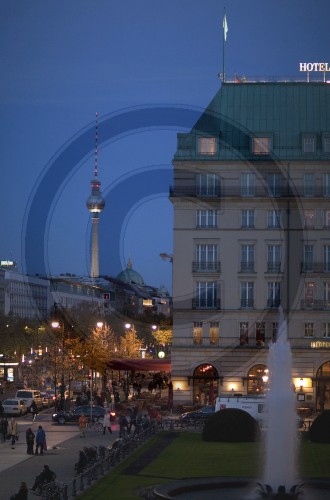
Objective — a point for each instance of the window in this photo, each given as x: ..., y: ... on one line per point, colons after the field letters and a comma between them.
x: 309, y: 329
x: 274, y: 184
x: 309, y: 185
x: 274, y: 219
x: 247, y: 258
x: 214, y: 332
x: 274, y: 294
x: 261, y: 145
x: 326, y: 257
x: 198, y: 332
x: 260, y: 334
x: 326, y: 217
x: 274, y: 258
x: 207, y: 145
x: 326, y: 330
x: 308, y: 258
x: 243, y: 333
x: 326, y: 295
x: 206, y: 295
x: 309, y: 142
x: 326, y: 185
x: 326, y: 144
x: 309, y: 219
x: 247, y: 294
x: 206, y: 257
x: 309, y: 294
x: 247, y: 184
x: 207, y: 218
x: 247, y: 218
x: 207, y: 185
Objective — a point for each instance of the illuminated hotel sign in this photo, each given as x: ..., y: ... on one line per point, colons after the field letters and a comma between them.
x: 320, y: 344
x: 316, y: 66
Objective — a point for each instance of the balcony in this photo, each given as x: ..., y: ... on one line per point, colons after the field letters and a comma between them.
x: 206, y: 304
x: 206, y: 267
x: 194, y: 192
x: 247, y: 303
x: 315, y: 305
x: 315, y: 267
x: 273, y: 303
x: 247, y: 266
x: 273, y: 267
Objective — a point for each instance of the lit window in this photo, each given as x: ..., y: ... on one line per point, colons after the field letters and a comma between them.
x: 214, y: 332
x: 309, y: 294
x: 309, y: 144
x: 243, y: 333
x: 260, y: 333
x: 207, y: 145
x: 198, y: 332
x: 261, y: 145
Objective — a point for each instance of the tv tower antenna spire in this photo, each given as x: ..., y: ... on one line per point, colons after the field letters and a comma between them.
x: 95, y: 204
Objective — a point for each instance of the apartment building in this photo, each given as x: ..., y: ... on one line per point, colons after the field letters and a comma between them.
x: 251, y: 200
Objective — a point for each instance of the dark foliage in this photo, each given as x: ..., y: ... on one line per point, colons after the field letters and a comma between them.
x: 231, y: 425
x: 320, y: 428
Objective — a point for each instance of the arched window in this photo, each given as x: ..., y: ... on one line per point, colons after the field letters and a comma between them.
x: 323, y: 387
x: 205, y: 385
x: 257, y: 382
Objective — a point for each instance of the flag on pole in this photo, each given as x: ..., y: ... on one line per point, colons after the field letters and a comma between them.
x: 225, y: 27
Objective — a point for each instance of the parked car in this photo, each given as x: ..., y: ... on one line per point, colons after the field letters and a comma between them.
x: 47, y: 400
x: 201, y: 414
x: 14, y: 407
x: 96, y: 412
x: 28, y: 395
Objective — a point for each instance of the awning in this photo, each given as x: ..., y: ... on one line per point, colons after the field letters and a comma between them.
x: 141, y: 364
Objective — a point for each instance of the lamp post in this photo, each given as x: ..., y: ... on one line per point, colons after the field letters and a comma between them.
x: 99, y: 326
x: 57, y: 326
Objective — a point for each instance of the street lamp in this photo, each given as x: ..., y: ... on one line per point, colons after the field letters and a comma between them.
x: 99, y: 326
x: 57, y: 326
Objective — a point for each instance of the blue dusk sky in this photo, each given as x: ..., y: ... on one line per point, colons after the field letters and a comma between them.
x: 63, y: 61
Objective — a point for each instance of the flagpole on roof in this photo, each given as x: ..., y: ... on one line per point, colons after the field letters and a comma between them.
x: 225, y: 30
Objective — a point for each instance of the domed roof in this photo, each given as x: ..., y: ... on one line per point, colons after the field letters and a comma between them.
x: 130, y: 276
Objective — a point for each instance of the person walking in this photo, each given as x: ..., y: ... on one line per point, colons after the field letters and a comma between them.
x: 12, y: 430
x: 34, y: 410
x: 29, y: 435
x: 107, y: 422
x: 40, y: 440
x: 82, y: 424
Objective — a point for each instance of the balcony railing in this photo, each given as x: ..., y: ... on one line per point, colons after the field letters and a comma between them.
x: 247, y: 266
x: 247, y: 303
x: 315, y: 305
x: 206, y: 304
x: 273, y: 303
x: 273, y: 267
x: 262, y: 191
x: 227, y: 343
x: 315, y: 267
x: 206, y: 267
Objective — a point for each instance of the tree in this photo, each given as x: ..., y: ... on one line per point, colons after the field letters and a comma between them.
x: 130, y: 344
x: 163, y: 335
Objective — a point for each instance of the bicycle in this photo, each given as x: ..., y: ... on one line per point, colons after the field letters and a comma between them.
x: 95, y: 425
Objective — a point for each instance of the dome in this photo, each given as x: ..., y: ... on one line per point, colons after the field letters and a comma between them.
x: 130, y: 276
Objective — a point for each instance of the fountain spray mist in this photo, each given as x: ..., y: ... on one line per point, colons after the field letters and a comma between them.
x: 281, y: 421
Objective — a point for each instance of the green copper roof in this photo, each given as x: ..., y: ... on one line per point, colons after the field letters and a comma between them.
x: 282, y: 111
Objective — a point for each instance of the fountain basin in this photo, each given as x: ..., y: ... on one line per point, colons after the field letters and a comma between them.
x: 222, y: 488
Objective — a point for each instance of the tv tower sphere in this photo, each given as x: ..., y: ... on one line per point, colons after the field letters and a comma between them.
x: 95, y: 202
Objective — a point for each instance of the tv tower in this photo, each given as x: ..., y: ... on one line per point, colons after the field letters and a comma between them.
x: 95, y: 204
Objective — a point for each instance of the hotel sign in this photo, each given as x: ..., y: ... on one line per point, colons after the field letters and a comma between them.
x: 320, y: 344
x: 316, y: 66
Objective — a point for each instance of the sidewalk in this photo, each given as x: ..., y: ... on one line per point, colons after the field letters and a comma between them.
x: 17, y: 466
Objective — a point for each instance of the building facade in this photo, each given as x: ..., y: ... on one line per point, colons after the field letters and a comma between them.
x: 251, y: 200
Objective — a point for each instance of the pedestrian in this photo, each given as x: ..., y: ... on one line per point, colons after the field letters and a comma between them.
x: 29, y: 435
x: 82, y: 424
x: 12, y: 430
x: 1, y: 410
x: 123, y: 426
x: 3, y: 428
x: 40, y: 440
x: 34, y: 410
x: 22, y: 493
x: 107, y: 422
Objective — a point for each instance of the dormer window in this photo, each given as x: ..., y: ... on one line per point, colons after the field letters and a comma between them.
x: 207, y: 145
x: 309, y: 143
x: 261, y: 145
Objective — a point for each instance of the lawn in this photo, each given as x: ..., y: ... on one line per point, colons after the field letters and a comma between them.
x: 188, y: 456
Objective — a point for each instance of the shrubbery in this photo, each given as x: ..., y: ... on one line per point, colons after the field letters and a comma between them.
x: 231, y: 425
x: 320, y: 428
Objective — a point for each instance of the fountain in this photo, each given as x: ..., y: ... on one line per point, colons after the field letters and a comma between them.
x: 280, y: 480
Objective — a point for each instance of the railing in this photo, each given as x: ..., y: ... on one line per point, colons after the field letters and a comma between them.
x: 111, y: 458
x: 229, y: 343
x: 208, y: 267
x: 315, y: 305
x: 247, y: 266
x: 227, y: 191
x: 315, y: 267
x: 205, y: 304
